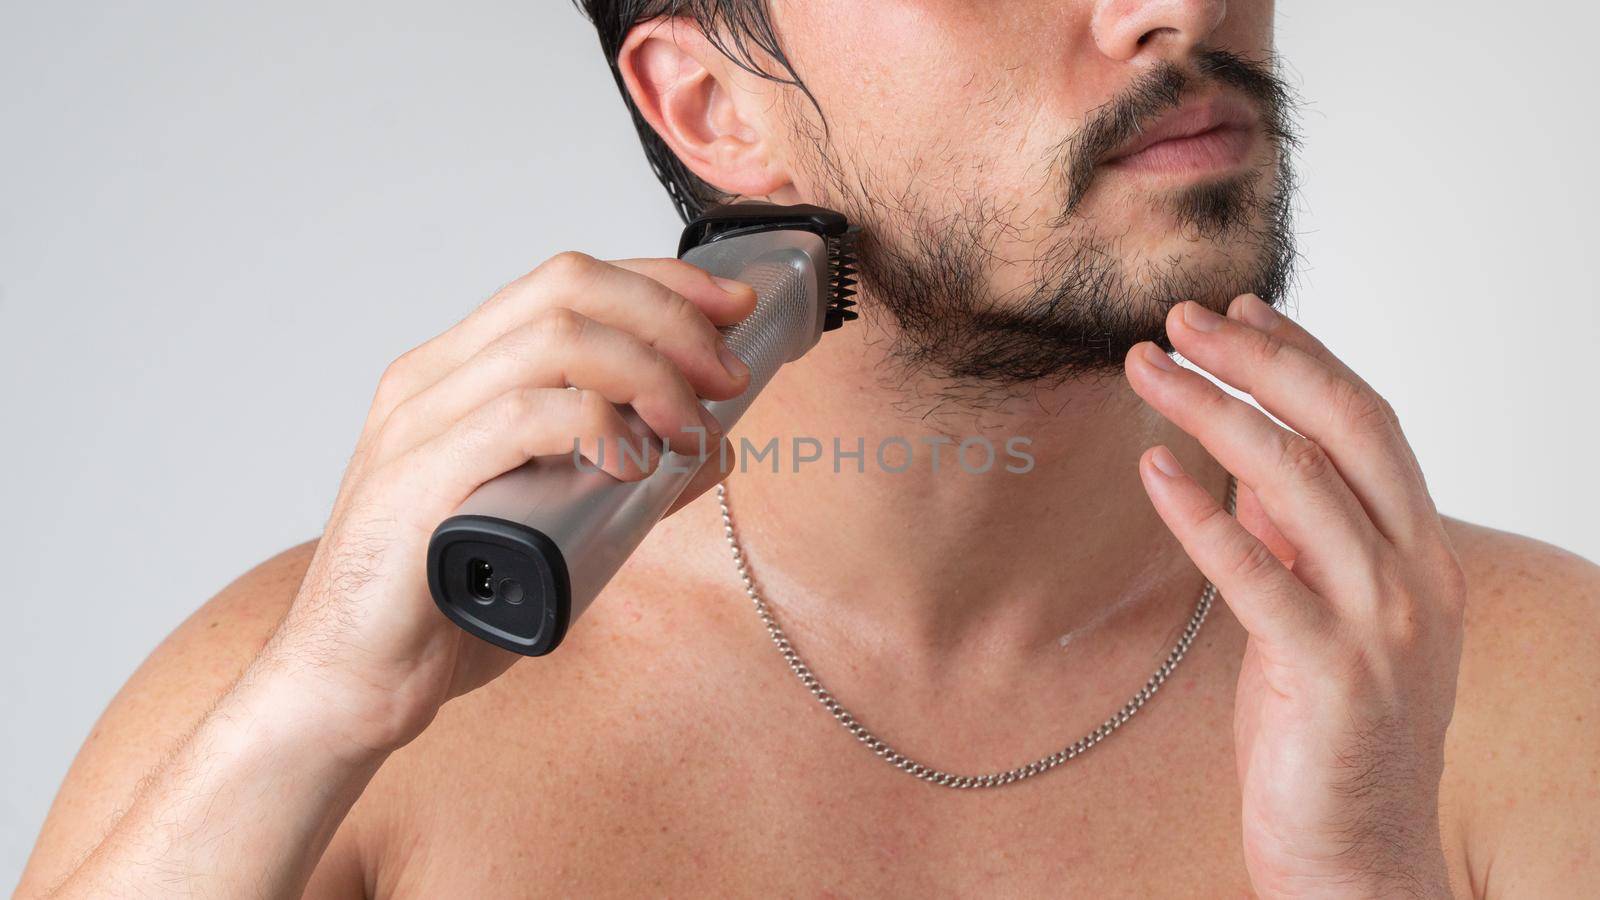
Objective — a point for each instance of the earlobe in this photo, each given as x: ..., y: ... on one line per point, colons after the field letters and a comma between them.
x: 679, y: 82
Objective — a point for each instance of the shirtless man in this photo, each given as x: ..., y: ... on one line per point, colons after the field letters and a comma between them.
x: 1383, y: 702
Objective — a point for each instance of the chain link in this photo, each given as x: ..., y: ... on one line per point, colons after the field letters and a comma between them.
x: 927, y: 773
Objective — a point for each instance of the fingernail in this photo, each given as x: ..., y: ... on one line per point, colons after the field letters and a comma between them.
x: 1160, y: 359
x: 1199, y: 318
x: 1256, y: 312
x: 1166, y: 462
x: 731, y: 286
x: 731, y: 361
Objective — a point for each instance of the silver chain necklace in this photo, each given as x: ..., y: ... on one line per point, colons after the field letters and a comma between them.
x: 927, y: 773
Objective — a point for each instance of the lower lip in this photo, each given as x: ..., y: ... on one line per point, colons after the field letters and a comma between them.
x: 1220, y: 148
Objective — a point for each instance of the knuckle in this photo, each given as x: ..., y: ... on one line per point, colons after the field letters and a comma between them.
x: 522, y: 404
x: 1269, y: 350
x: 398, y: 422
x: 1387, y: 408
x: 1213, y: 401
x: 1246, y: 558
x: 679, y: 308
x: 568, y: 265
x: 401, y: 367
x: 1359, y: 407
x: 1303, y: 459
x: 395, y: 382
x: 677, y: 314
x: 666, y: 370
x: 1251, y: 560
x: 559, y: 324
x: 650, y: 370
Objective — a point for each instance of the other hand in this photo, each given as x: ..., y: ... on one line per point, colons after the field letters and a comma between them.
x: 1340, y: 569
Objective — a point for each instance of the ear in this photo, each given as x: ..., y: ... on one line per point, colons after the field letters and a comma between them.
x: 690, y: 94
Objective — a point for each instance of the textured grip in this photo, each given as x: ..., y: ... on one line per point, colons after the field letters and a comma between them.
x: 788, y: 271
x: 775, y: 333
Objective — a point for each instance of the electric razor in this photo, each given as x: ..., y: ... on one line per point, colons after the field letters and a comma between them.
x: 525, y: 554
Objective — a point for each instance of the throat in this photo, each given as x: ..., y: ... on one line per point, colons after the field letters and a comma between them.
x: 955, y: 572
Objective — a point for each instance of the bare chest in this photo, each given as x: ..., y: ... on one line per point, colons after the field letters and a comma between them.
x: 655, y: 804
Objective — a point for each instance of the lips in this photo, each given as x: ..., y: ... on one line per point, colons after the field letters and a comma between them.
x: 1212, y: 130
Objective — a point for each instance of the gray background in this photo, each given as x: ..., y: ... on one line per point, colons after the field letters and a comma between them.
x: 217, y: 225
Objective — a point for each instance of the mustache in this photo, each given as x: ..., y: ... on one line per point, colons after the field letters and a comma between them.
x: 1164, y: 88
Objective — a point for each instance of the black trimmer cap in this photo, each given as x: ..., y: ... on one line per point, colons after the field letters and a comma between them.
x: 758, y: 215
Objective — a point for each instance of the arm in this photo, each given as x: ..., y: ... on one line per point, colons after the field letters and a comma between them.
x: 245, y: 805
x: 361, y: 661
x: 148, y: 725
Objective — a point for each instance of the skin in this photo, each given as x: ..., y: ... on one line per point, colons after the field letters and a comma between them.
x: 1387, y: 701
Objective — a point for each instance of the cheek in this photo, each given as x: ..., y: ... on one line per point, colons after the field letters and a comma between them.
x: 892, y: 68
x: 917, y: 102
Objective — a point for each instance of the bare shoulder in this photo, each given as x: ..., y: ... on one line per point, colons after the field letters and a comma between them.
x: 159, y: 706
x: 1523, y: 769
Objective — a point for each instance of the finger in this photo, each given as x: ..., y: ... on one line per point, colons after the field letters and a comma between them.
x: 1257, y: 312
x: 671, y: 305
x: 1342, y: 415
x: 1254, y: 311
x: 1269, y: 601
x: 656, y: 298
x: 628, y: 294
x: 681, y: 324
x: 560, y: 349
x: 506, y: 432
x: 725, y: 301
x: 1292, y: 477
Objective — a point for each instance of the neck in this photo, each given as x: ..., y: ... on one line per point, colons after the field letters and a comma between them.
x: 954, y: 564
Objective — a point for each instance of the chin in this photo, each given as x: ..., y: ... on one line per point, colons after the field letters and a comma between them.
x: 1211, y: 241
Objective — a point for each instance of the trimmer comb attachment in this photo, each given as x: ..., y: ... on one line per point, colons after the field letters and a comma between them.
x: 841, y: 277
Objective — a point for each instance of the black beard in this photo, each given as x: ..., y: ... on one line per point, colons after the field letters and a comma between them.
x: 1085, y: 306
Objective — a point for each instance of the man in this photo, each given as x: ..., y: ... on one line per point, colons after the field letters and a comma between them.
x: 1381, y: 701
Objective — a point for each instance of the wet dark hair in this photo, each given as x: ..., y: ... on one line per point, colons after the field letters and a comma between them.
x: 738, y: 28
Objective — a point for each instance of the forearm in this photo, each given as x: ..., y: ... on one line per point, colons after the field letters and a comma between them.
x: 244, y: 807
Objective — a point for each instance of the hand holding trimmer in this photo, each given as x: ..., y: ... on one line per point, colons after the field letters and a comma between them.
x: 527, y: 552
